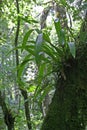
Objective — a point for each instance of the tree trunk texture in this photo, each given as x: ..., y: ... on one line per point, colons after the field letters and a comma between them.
x: 8, y: 116
x: 68, y: 110
x: 26, y: 105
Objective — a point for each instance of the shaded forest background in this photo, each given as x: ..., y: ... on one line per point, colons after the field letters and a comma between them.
x: 43, y: 65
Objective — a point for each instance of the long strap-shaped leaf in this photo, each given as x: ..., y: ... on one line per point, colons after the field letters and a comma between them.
x: 60, y: 32
x: 25, y: 39
x: 38, y: 48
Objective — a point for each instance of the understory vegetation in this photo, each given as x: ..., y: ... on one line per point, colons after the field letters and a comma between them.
x: 43, y: 65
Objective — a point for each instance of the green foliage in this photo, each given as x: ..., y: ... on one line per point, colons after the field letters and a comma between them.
x: 72, y: 48
x: 38, y: 48
x: 25, y: 39
x: 60, y: 32
x: 47, y: 53
x: 48, y: 49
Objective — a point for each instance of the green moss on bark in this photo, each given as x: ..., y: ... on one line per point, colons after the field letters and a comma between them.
x: 68, y: 110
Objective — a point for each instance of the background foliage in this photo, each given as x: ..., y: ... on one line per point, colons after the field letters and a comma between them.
x: 43, y: 47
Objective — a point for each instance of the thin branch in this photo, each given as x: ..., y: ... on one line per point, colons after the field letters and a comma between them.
x: 23, y: 92
x: 17, y: 34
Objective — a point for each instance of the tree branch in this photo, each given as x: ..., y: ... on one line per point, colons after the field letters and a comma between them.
x: 23, y: 92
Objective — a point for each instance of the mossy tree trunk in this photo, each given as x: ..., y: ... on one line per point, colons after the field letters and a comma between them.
x: 68, y: 110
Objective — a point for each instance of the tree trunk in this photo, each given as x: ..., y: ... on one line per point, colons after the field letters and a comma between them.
x: 10, y: 127
x: 26, y: 105
x: 8, y: 116
x: 68, y: 110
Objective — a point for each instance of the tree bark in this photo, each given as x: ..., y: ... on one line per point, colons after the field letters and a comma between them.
x: 8, y: 116
x: 26, y: 105
x: 68, y: 110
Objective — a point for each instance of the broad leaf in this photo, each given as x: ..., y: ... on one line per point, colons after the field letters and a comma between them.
x: 42, y: 70
x: 38, y: 48
x: 22, y: 65
x: 28, y: 20
x: 30, y: 49
x: 60, y: 32
x: 72, y: 48
x: 50, y: 52
x: 25, y: 39
x: 46, y: 37
x: 58, y: 49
